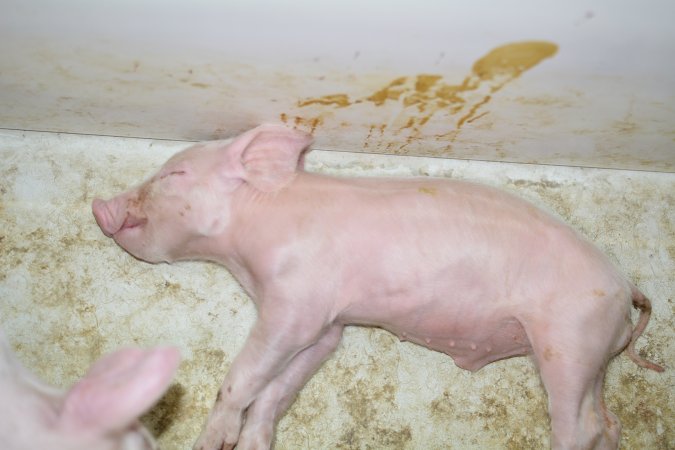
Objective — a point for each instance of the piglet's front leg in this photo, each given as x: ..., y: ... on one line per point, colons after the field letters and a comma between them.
x: 274, y: 400
x: 275, y: 340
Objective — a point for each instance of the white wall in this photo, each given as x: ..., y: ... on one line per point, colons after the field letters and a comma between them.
x: 206, y: 69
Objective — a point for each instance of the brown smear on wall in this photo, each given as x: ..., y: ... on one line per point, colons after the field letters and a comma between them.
x: 422, y: 96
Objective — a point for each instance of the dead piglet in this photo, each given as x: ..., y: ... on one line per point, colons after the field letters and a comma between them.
x: 100, y: 412
x: 458, y: 267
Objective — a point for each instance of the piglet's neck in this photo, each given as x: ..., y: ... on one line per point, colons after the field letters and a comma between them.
x: 264, y: 226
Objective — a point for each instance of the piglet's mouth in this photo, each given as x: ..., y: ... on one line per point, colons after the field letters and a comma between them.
x: 132, y: 221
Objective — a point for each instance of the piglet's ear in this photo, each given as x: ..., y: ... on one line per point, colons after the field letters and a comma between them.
x: 272, y: 155
x: 118, y: 389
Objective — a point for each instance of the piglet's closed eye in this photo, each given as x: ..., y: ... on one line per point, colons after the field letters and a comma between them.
x: 173, y: 173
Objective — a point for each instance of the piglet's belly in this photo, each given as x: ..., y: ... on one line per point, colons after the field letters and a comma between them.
x: 471, y: 347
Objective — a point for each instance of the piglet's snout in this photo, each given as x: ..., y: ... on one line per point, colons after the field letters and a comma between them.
x: 108, y: 219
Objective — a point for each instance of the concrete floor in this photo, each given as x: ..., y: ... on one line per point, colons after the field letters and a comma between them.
x: 68, y: 295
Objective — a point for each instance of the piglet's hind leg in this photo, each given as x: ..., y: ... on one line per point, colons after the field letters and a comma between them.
x: 579, y: 418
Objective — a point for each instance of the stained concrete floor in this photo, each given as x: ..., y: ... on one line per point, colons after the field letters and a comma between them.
x: 68, y: 295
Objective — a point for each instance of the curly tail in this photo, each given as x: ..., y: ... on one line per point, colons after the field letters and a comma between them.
x: 644, y: 305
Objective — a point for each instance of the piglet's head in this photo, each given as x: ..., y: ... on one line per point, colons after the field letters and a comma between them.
x: 99, y: 412
x: 191, y: 197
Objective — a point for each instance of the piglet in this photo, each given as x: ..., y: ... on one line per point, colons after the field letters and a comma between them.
x: 100, y: 412
x: 458, y: 267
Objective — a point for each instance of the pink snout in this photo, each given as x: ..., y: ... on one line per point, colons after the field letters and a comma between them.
x: 105, y: 218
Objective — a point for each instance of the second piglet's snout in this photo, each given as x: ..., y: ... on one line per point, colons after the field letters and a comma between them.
x: 458, y: 267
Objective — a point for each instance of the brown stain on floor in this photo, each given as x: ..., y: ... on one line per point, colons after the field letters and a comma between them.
x: 645, y: 409
x: 424, y: 95
x: 339, y: 100
x: 169, y: 408
x: 506, y: 396
x: 307, y: 124
x: 366, y: 404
